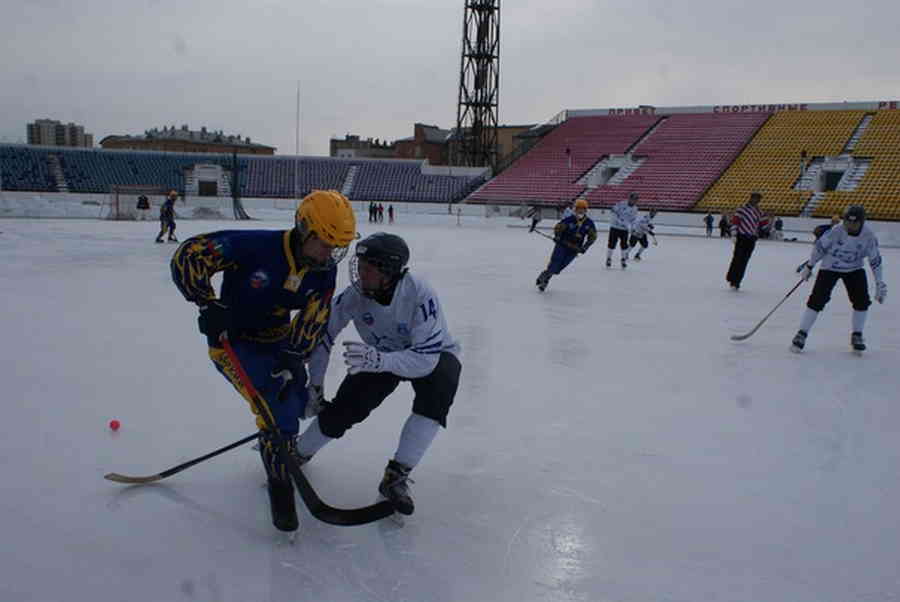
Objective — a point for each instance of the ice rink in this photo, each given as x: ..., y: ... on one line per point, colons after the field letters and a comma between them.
x: 608, y: 443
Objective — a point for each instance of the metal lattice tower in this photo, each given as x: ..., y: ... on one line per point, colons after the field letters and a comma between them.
x: 479, y: 85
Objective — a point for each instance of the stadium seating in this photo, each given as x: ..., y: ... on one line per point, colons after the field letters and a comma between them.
x: 25, y: 168
x: 879, y: 190
x: 97, y: 171
x: 682, y: 158
x: 404, y: 181
x: 770, y: 163
x: 550, y: 171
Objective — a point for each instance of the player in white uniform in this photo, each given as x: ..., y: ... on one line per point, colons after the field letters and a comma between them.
x: 841, y: 250
x: 622, y: 216
x: 404, y: 338
x: 641, y: 227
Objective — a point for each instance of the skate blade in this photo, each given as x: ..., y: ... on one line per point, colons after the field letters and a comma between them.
x: 796, y: 349
x: 396, y: 518
x: 857, y: 352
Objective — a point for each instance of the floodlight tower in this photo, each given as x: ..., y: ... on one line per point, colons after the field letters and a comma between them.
x: 479, y: 85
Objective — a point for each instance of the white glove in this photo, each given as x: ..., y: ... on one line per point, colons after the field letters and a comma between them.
x: 880, y: 292
x: 805, y: 271
x: 360, y: 357
x: 315, y: 401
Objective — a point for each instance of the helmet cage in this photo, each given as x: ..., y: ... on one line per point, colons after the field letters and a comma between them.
x: 386, y: 268
x: 854, y: 218
x: 337, y: 253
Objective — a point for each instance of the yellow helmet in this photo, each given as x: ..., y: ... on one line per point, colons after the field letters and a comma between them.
x: 581, y: 204
x: 328, y: 215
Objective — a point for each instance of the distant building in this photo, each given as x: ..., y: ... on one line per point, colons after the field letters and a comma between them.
x: 185, y: 140
x: 427, y: 142
x: 49, y: 132
x: 436, y: 144
x: 353, y: 146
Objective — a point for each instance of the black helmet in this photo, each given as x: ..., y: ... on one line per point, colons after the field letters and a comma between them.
x: 853, y: 215
x: 388, y: 253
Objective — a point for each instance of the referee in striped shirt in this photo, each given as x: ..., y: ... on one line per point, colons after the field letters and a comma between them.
x: 746, y: 221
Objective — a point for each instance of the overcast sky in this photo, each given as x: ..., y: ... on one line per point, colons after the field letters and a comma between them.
x: 374, y: 68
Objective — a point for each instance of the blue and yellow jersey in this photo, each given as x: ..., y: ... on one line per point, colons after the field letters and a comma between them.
x: 576, y: 232
x: 261, y: 282
x: 167, y: 210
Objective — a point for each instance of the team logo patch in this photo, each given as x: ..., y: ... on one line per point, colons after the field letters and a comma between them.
x: 403, y: 329
x: 368, y: 319
x: 259, y: 279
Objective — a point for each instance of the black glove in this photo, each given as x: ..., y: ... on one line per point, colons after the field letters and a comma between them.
x: 584, y: 248
x: 290, y: 368
x: 215, y: 318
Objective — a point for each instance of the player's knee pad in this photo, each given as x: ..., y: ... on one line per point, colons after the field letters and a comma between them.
x: 861, y: 304
x: 817, y: 304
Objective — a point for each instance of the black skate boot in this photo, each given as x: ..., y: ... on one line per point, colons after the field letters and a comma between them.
x: 799, y: 341
x: 543, y: 280
x: 608, y: 262
x: 281, y: 503
x: 637, y: 257
x: 624, y: 263
x: 280, y: 487
x: 857, y: 342
x: 395, y: 487
x: 159, y: 239
x: 172, y: 238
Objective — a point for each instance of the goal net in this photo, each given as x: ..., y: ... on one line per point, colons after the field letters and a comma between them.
x: 123, y: 203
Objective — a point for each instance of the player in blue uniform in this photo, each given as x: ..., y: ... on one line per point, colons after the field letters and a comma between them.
x: 167, y: 217
x: 573, y: 235
x: 267, y: 274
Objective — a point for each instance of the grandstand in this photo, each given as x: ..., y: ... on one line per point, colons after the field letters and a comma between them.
x: 95, y: 171
x: 699, y: 159
x: 808, y: 160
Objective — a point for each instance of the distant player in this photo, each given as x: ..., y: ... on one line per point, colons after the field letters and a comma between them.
x: 747, y: 221
x: 841, y: 250
x: 573, y: 235
x: 405, y: 337
x: 622, y: 216
x: 641, y: 227
x: 143, y: 207
x: 267, y: 274
x: 167, y: 217
x: 535, y: 214
x: 708, y: 219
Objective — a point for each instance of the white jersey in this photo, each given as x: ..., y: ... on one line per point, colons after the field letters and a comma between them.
x: 841, y: 252
x: 623, y: 215
x: 641, y: 226
x: 410, y: 333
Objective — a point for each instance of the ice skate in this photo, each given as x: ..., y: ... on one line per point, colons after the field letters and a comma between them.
x: 281, y: 502
x: 624, y: 263
x: 279, y: 485
x: 394, y: 487
x: 608, y: 262
x: 857, y: 343
x: 799, y: 342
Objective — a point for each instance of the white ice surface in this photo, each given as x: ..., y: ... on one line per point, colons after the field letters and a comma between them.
x: 608, y: 442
